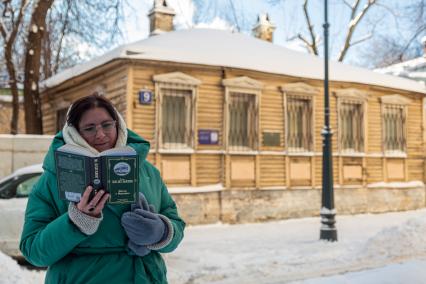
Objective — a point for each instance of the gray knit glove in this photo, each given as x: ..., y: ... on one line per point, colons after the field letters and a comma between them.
x: 140, y: 250
x: 145, y: 228
x: 88, y: 225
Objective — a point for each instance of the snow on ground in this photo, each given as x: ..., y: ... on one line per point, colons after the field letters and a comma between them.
x: 290, y: 250
x: 372, y: 248
x: 12, y: 273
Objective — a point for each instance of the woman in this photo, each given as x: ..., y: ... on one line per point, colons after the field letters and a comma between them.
x: 90, y: 241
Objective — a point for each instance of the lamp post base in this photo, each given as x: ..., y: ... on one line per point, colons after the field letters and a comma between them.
x: 328, y: 230
x: 328, y: 235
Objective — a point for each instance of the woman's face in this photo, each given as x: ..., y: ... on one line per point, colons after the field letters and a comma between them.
x: 98, y: 128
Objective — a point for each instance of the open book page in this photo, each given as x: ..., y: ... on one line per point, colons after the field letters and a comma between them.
x: 73, y: 149
x: 119, y: 151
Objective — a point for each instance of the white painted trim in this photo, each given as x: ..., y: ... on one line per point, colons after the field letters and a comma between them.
x: 196, y: 189
x: 353, y: 154
x: 299, y: 88
x: 395, y: 155
x: 178, y: 78
x: 303, y: 154
x: 243, y: 82
x: 395, y: 100
x: 351, y: 94
x: 176, y: 151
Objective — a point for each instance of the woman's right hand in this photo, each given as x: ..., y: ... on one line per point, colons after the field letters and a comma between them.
x: 95, y: 205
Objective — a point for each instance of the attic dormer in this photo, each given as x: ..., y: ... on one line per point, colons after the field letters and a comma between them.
x: 160, y: 18
x: 264, y: 29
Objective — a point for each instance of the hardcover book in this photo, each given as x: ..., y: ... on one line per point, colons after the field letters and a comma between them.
x: 114, y: 170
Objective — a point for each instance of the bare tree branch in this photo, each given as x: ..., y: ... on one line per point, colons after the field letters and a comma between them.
x: 3, y: 30
x: 410, y: 41
x: 354, y: 8
x: 234, y: 14
x: 362, y: 39
x: 61, y: 39
x: 347, y: 3
x: 300, y: 36
x: 355, y: 19
x: 312, y: 44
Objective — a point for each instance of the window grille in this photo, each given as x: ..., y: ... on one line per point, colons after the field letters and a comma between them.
x: 299, y: 124
x: 394, y: 128
x: 351, y: 127
x: 176, y: 118
x: 242, y: 121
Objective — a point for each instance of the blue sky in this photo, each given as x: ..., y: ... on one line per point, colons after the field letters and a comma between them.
x: 287, y: 15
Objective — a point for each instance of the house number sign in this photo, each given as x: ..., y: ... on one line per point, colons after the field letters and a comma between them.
x: 145, y: 97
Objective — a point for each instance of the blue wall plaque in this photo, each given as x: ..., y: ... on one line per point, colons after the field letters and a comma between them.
x: 145, y: 97
x: 208, y: 137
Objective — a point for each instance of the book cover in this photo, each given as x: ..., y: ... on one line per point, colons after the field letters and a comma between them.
x: 114, y: 170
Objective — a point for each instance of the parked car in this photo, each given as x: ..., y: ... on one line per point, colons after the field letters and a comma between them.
x: 14, y: 190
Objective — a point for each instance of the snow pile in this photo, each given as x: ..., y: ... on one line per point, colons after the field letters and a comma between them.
x: 12, y: 273
x: 398, y: 242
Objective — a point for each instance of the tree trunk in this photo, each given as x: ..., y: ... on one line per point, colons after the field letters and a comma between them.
x: 47, y: 55
x: 32, y: 101
x: 13, y: 88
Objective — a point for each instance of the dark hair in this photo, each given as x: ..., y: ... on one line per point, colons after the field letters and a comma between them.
x: 80, y: 106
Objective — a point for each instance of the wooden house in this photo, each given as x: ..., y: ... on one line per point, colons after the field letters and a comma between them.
x: 235, y: 124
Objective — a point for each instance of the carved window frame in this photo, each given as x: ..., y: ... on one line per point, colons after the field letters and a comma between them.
x: 175, y: 81
x: 356, y: 97
x: 301, y: 91
x: 248, y: 86
x: 395, y: 101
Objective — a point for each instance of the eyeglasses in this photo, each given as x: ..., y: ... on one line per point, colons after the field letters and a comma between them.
x: 92, y: 130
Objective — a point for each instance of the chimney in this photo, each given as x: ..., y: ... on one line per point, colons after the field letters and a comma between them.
x: 423, y: 41
x: 264, y: 29
x: 160, y: 18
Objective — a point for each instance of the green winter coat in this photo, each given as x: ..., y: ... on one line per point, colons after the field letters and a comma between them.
x: 50, y: 239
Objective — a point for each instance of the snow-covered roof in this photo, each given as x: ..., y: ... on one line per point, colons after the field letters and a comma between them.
x: 414, y: 69
x: 228, y: 49
x: 415, y: 64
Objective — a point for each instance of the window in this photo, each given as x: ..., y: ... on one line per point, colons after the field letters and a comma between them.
x: 299, y: 124
x: 351, y: 126
x: 241, y: 113
x: 176, y: 118
x: 394, y: 111
x: 394, y: 128
x: 351, y: 109
x: 242, y: 121
x: 176, y: 93
x: 61, y: 118
x: 298, y: 108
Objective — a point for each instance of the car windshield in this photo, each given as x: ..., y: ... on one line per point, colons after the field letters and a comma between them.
x: 24, y: 188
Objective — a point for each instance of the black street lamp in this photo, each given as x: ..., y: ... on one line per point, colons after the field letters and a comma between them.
x: 328, y: 230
